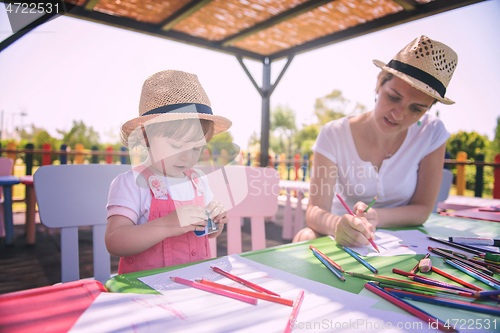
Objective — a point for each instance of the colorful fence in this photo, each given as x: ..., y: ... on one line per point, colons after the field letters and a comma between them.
x: 296, y: 168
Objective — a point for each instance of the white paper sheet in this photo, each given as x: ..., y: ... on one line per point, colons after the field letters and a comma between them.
x: 185, y: 309
x: 394, y: 243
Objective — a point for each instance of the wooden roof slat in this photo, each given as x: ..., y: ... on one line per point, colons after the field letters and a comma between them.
x: 259, y: 29
x: 324, y: 20
x: 430, y: 8
x: 298, y: 10
x: 223, y: 18
x: 190, y: 8
x: 407, y: 4
x: 151, y: 11
x: 154, y: 30
x: 90, y: 4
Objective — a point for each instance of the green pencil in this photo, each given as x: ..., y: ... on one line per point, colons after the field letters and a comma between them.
x: 403, y: 283
x: 371, y: 203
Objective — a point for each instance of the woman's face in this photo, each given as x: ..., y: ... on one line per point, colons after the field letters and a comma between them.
x: 399, y: 105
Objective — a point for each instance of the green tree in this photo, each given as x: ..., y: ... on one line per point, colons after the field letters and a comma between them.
x: 334, y: 106
x: 306, y: 137
x: 472, y: 143
x: 224, y: 141
x: 283, y: 122
x: 39, y: 139
x: 80, y: 133
x: 494, y: 147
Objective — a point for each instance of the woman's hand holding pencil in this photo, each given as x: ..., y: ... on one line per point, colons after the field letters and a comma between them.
x: 353, y: 230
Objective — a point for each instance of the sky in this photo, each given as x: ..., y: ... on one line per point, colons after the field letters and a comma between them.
x: 70, y: 69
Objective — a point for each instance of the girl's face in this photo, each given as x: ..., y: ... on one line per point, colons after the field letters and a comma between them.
x: 177, y: 155
x: 399, y: 105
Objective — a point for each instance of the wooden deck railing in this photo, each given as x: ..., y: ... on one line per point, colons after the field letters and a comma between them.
x: 296, y: 168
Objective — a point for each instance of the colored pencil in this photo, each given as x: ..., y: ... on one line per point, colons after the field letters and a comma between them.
x: 426, y: 317
x: 250, y: 293
x: 475, y: 248
x: 475, y: 241
x: 330, y: 267
x: 439, y: 284
x: 243, y: 281
x: 415, y: 269
x: 351, y: 213
x: 389, y: 287
x: 407, y: 284
x: 472, y: 269
x: 472, y: 274
x: 400, y: 272
x: 239, y: 297
x: 358, y: 258
x: 371, y: 203
x: 454, y: 278
x: 490, y: 267
x: 458, y: 246
x: 333, y: 263
x: 463, y: 255
x: 295, y: 312
x: 453, y: 257
x: 449, y: 303
x: 489, y: 293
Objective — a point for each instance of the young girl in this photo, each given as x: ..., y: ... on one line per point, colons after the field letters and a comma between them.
x: 155, y: 209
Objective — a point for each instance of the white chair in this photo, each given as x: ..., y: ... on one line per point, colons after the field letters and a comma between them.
x: 245, y: 192
x: 71, y: 196
x: 444, y: 190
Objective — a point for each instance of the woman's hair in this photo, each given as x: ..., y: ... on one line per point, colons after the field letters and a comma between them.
x: 385, y: 76
x: 382, y: 78
x: 188, y: 130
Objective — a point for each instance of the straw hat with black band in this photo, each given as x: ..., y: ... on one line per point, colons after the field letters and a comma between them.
x: 173, y: 95
x: 426, y: 65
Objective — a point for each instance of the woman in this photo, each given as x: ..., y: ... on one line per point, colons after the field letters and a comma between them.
x: 395, y: 152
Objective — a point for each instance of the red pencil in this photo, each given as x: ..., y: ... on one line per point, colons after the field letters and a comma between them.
x: 427, y: 318
x: 333, y: 263
x: 255, y: 294
x: 350, y: 212
x: 239, y: 297
x: 295, y: 311
x: 243, y: 281
x: 420, y: 278
x: 451, y: 277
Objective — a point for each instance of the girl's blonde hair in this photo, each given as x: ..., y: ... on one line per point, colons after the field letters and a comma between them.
x: 185, y: 129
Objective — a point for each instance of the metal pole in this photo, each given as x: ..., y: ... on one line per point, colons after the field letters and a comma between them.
x: 266, y: 118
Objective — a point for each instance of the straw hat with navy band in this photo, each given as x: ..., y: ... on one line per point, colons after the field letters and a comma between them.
x: 173, y: 95
x: 426, y: 65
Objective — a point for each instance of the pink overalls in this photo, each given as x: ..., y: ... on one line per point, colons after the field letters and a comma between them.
x: 172, y: 250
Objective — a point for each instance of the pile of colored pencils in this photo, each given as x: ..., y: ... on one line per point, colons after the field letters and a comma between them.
x: 457, y: 294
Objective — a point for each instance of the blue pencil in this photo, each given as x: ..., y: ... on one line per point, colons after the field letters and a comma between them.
x: 358, y: 258
x: 450, y: 303
x: 474, y: 275
x: 489, y: 293
x: 330, y: 267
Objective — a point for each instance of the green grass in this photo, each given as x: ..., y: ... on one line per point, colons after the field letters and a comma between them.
x: 469, y: 193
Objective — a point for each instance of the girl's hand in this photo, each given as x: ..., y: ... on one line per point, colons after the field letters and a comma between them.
x: 191, y: 216
x: 371, y: 215
x: 217, y: 212
x: 354, y: 231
